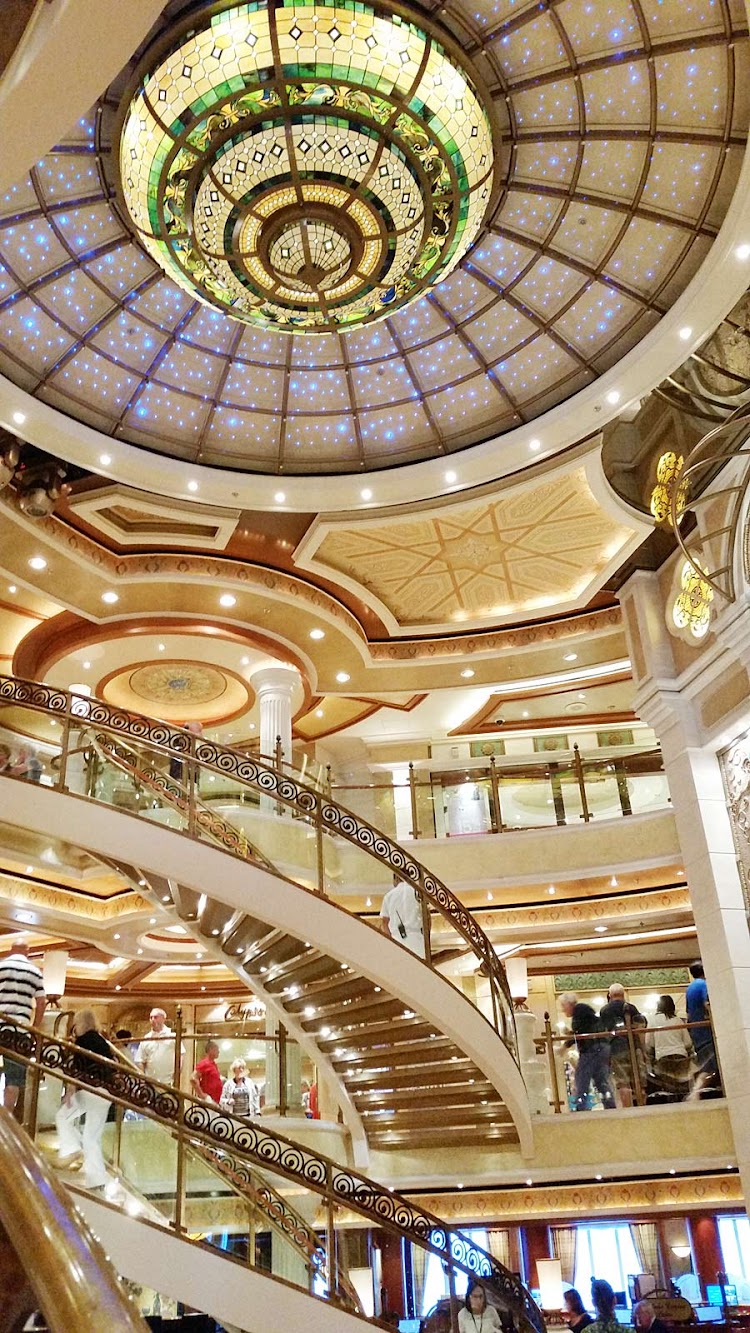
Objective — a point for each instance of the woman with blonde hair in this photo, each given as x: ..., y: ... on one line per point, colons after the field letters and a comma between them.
x: 240, y: 1095
x: 74, y: 1143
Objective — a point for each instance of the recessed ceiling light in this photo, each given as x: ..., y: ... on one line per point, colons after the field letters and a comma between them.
x: 342, y: 677
x: 490, y: 897
x: 139, y: 950
x: 552, y: 889
x: 192, y: 485
x: 613, y: 882
x: 686, y: 333
x: 227, y: 599
x: 252, y: 726
x: 19, y: 418
x: 535, y: 446
x: 366, y: 493
x: 152, y: 921
x: 317, y: 633
x: 244, y: 661
x: 279, y: 497
x: 570, y: 657
x: 529, y: 1181
x: 162, y: 647
x: 525, y: 713
x: 450, y: 477
x: 600, y: 929
x: 86, y: 666
x: 29, y: 870
x: 318, y: 712
x: 12, y: 588
x: 613, y: 396
x: 467, y: 673
x: 110, y: 598
x: 105, y: 459
x: 116, y: 935
x: 37, y: 562
x: 742, y: 252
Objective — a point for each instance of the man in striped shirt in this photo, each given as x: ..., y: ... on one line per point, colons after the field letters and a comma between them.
x: 22, y: 1001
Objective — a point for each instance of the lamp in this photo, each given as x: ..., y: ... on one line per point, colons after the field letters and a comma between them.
x: 549, y: 1278
x: 681, y: 1251
x: 517, y: 973
x: 54, y: 972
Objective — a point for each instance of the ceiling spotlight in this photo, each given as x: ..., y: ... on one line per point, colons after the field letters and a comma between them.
x: 244, y: 661
x: 742, y: 252
x: 535, y: 446
x: 467, y: 673
x: 613, y: 882
x: 570, y: 657
x: 450, y: 477
x: 105, y: 460
x: 86, y: 666
x: 279, y: 497
x: 552, y: 889
x: 37, y: 562
x: 116, y: 935
x: 342, y: 677
x: 227, y: 599
x: 366, y: 493
x: 192, y: 486
x: 525, y: 713
x: 600, y: 930
x: 12, y: 588
x: 18, y: 418
x: 686, y: 333
x: 317, y: 633
x: 110, y: 598
x: 162, y: 647
x: 613, y: 396
x: 318, y: 712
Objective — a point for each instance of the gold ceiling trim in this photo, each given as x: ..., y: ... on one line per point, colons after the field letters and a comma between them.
x: 135, y: 518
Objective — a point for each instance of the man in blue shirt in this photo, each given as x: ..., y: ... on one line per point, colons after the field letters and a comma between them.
x: 696, y: 1002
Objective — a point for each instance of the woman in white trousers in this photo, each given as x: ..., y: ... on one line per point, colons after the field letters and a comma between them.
x: 79, y: 1103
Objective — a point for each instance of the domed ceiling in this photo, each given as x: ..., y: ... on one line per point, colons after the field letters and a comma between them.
x: 619, y: 128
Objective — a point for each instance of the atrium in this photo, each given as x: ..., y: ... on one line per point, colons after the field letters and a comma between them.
x: 374, y: 402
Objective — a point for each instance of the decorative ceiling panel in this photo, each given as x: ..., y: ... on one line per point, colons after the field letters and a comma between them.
x: 534, y: 548
x: 623, y: 132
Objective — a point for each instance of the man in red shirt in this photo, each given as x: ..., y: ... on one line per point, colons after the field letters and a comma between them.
x: 206, y: 1077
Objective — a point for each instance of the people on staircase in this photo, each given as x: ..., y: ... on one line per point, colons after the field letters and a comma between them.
x: 240, y: 1095
x: 206, y: 1078
x: 22, y: 1001
x: 401, y: 916
x: 156, y: 1051
x: 79, y: 1104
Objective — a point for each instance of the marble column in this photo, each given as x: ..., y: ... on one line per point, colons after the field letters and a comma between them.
x: 274, y: 687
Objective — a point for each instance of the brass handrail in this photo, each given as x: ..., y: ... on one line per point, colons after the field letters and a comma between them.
x: 708, y: 457
x: 78, y: 713
x: 68, y: 1272
x: 254, y: 1145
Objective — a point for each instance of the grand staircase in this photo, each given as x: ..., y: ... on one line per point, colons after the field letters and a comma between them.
x: 436, y: 1066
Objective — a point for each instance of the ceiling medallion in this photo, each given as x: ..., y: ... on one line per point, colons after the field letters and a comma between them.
x: 306, y: 167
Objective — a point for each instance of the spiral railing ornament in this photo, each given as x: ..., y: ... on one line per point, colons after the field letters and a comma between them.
x: 711, y: 552
x: 251, y: 1145
x: 79, y: 715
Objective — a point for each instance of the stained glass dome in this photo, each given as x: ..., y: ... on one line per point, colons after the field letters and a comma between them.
x: 306, y: 167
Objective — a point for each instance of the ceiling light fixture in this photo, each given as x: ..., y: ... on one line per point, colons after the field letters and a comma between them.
x: 192, y: 486
x: 600, y: 930
x: 227, y: 599
x: 279, y: 497
x: 86, y: 666
x: 321, y: 257
x: 743, y: 252
x: 105, y: 460
x: 366, y: 493
x: 686, y: 333
x: 12, y: 588
x: 451, y: 477
x: 110, y: 598
x: 570, y: 657
x: 37, y: 562
x: 613, y: 397
x: 467, y: 673
x: 19, y: 418
x: 318, y: 712
x: 535, y: 446
x: 552, y: 889
x: 317, y: 633
x: 342, y: 677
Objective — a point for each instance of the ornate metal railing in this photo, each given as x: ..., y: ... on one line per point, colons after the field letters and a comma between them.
x: 81, y: 720
x: 341, y: 1190
x: 709, y: 548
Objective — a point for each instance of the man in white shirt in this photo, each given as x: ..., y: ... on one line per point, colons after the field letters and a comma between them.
x: 401, y: 916
x: 156, y: 1052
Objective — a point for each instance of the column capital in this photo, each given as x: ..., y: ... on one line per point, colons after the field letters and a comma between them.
x: 275, y: 678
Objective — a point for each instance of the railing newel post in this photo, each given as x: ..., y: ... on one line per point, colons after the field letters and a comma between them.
x: 578, y: 767
x: 554, y: 1088
x: 413, y: 796
x: 497, y: 814
x: 62, y: 774
x: 283, y: 1103
x: 639, y: 1095
x: 178, y: 1048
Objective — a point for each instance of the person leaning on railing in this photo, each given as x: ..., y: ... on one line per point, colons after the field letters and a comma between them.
x: 593, y: 1052
x: 670, y: 1046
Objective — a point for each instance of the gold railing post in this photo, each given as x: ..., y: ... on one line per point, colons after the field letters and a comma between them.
x: 637, y: 1085
x: 320, y: 848
x: 413, y: 795
x: 453, y: 1298
x: 179, y: 1193
x: 117, y: 1145
x: 178, y: 1048
x: 31, y: 1089
x: 426, y: 927
x: 578, y: 769
x: 283, y: 1104
x: 278, y: 761
x: 250, y: 1236
x: 331, y: 1237
x: 191, y: 787
x: 62, y: 773
x: 328, y: 786
x: 497, y: 814
x: 552, y: 1066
